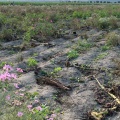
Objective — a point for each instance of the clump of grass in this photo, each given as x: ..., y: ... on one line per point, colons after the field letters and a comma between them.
x: 72, y: 54
x: 82, y: 46
x: 101, y: 56
x: 105, y: 48
x: 113, y: 39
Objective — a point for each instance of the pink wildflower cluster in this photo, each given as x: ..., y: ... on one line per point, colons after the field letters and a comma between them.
x: 19, y: 70
x: 6, y: 75
x: 37, y: 108
x: 52, y: 117
x: 7, y: 67
x: 29, y: 107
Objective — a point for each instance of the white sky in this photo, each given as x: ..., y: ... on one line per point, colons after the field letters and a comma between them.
x: 43, y: 0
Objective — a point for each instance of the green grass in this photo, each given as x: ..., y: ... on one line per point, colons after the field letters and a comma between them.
x: 82, y: 46
x: 101, y: 56
x: 72, y: 54
x: 105, y: 48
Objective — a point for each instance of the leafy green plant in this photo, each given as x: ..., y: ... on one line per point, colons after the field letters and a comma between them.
x: 28, y: 35
x: 105, y: 48
x: 57, y: 69
x: 2, y: 64
x: 82, y: 46
x: 31, y: 62
x: 72, y: 54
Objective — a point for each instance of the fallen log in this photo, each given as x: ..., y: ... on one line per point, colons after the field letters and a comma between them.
x: 43, y: 78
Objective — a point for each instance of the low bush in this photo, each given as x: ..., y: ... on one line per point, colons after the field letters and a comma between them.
x: 113, y: 39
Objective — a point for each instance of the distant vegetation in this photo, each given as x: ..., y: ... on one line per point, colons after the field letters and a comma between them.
x: 46, y: 22
x: 54, y: 3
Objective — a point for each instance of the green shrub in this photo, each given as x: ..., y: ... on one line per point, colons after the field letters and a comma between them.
x: 113, y: 39
x: 81, y: 14
x: 45, y: 29
x: 104, y: 23
x: 113, y: 22
x: 103, y: 13
x: 6, y: 34
x: 93, y: 21
x: 29, y: 34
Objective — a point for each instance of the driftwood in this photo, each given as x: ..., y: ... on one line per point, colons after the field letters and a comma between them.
x: 43, y: 78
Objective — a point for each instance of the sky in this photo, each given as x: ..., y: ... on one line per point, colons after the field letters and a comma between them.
x: 58, y: 0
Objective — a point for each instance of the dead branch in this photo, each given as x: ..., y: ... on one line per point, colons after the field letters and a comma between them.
x: 103, y: 88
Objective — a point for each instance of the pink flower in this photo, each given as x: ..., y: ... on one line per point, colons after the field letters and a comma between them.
x: 21, y: 94
x: 19, y: 70
x: 14, y: 76
x: 36, y: 101
x: 39, y: 108
x: 7, y: 67
x: 7, y: 76
x: 53, y: 115
x: 16, y: 85
x: 29, y: 107
x: 8, y: 97
x: 20, y: 114
x: 16, y: 92
x: 3, y: 77
x: 51, y: 21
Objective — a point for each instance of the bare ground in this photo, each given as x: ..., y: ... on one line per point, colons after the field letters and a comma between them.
x: 76, y: 103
